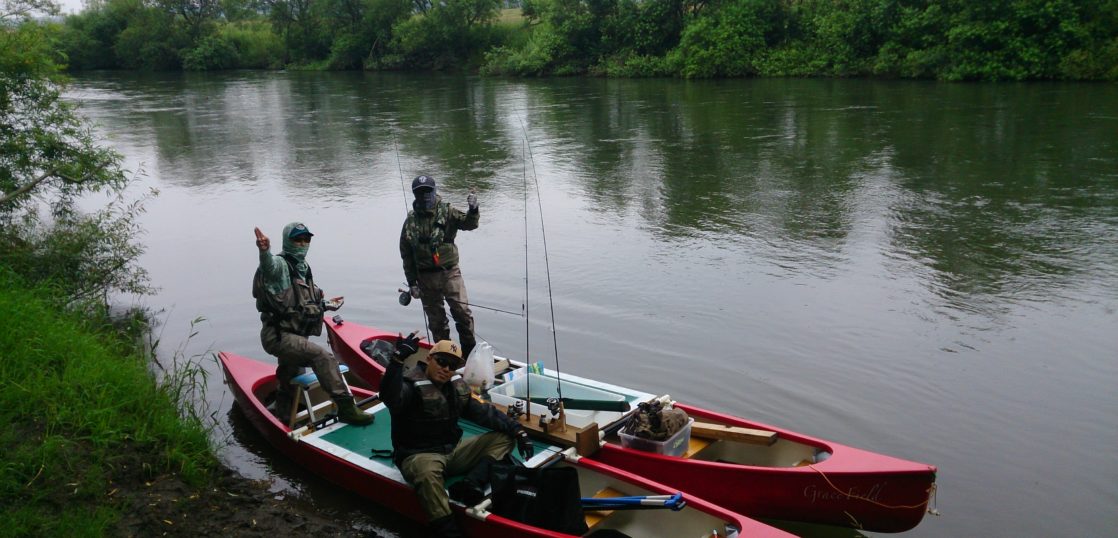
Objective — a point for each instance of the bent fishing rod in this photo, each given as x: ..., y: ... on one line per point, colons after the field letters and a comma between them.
x: 404, y: 191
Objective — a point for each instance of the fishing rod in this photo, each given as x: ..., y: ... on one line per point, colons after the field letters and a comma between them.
x: 546, y: 260
x: 527, y: 324
x: 405, y: 300
x: 404, y: 191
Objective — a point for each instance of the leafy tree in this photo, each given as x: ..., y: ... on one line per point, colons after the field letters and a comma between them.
x: 212, y: 52
x: 89, y: 37
x: 152, y: 41
x: 48, y: 160
x: 196, y: 14
x: 242, y: 10
x: 446, y: 36
x: 295, y: 22
x: 727, y: 42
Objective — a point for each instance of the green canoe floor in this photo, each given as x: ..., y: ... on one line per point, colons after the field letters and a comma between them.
x: 378, y: 436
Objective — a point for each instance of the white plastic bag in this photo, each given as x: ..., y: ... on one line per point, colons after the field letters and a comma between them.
x: 478, y: 372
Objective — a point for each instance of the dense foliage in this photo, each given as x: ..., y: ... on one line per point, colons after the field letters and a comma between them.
x: 82, y: 407
x: 48, y: 163
x: 942, y: 39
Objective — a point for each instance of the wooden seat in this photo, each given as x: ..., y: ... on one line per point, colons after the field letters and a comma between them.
x: 304, y: 384
x: 695, y: 444
x: 594, y: 517
x: 733, y: 433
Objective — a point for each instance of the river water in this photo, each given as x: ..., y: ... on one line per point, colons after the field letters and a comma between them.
x: 922, y: 269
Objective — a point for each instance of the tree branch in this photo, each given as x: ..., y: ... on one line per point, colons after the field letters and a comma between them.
x: 28, y: 187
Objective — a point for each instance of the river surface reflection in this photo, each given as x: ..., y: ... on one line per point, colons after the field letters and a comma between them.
x: 921, y: 269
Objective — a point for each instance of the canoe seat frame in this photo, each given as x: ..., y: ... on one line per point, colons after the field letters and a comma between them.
x: 304, y: 385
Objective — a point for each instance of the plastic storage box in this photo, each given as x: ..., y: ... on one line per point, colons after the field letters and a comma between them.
x: 675, y: 445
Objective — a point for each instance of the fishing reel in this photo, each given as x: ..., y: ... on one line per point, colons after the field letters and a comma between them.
x: 515, y: 409
x: 405, y: 297
x: 554, y: 406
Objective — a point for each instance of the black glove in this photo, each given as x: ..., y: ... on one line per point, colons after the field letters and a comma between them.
x: 524, y: 445
x: 406, y: 346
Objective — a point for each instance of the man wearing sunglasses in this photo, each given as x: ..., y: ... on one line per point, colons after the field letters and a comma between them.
x: 425, y: 404
x: 291, y: 309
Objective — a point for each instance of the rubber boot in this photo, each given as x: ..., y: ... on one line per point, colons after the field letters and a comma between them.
x: 281, y: 408
x: 471, y: 490
x: 446, y: 527
x: 350, y: 414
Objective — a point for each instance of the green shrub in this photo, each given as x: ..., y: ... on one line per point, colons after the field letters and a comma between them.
x: 348, y: 52
x: 729, y: 42
x: 535, y: 58
x: 633, y: 66
x: 211, y: 53
x: 257, y: 46
x: 151, y: 42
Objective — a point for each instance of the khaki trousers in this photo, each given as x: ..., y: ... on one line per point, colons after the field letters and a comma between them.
x: 434, y: 288
x: 427, y: 472
x: 297, y: 352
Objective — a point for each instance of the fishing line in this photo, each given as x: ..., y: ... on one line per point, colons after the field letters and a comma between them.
x: 475, y: 305
x: 404, y: 191
x: 546, y: 260
x: 527, y: 324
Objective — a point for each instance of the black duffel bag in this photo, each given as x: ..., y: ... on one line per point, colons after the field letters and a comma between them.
x: 548, y: 498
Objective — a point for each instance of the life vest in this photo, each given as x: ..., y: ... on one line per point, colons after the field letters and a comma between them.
x: 433, y: 425
x: 431, y: 244
x: 297, y: 309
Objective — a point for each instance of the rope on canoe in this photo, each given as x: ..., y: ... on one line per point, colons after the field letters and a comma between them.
x: 931, y: 491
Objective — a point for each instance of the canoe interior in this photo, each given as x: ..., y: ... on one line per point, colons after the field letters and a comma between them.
x: 783, y: 453
x: 511, y: 383
x: 686, y: 522
x: 368, y: 448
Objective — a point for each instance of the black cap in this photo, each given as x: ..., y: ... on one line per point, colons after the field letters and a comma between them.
x: 422, y: 182
x: 299, y: 229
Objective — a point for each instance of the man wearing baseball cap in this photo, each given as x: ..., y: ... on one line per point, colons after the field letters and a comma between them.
x: 291, y: 309
x: 431, y: 260
x: 425, y: 404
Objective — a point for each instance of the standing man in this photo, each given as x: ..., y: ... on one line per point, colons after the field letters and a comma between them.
x: 431, y: 260
x: 425, y: 405
x: 291, y: 309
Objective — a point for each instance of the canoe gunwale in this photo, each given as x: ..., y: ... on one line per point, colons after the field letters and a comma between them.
x: 804, y: 493
x: 249, y: 381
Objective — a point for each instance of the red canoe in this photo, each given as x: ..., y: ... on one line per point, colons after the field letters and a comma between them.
x: 350, y: 456
x: 748, y: 467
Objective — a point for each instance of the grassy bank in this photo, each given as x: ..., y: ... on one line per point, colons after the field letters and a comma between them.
x: 83, y: 415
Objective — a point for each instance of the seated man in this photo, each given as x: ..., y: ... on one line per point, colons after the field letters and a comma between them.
x: 426, y: 440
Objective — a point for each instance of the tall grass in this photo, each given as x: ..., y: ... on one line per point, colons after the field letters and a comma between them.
x: 81, y: 409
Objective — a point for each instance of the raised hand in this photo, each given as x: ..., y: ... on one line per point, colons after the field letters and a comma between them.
x: 406, y: 346
x: 471, y: 199
x: 262, y: 241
